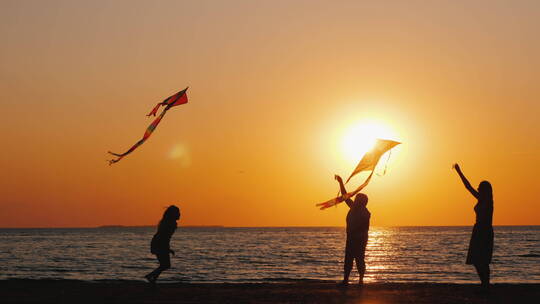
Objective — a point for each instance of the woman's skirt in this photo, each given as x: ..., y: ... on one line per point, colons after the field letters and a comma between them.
x: 481, y: 245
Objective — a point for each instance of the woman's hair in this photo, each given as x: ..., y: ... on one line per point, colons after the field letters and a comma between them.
x: 485, y: 191
x: 171, y: 214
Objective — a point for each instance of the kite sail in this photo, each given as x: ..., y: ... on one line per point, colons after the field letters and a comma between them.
x: 367, y: 163
x: 174, y: 100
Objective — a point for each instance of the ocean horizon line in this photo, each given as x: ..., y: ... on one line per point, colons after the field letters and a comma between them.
x: 225, y: 226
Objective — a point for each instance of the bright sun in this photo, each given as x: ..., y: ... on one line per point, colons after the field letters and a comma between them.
x: 360, y: 137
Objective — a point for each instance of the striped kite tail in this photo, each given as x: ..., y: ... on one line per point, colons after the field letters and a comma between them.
x: 112, y: 161
x: 155, y: 109
x: 146, y: 135
x: 333, y: 202
x: 346, y: 196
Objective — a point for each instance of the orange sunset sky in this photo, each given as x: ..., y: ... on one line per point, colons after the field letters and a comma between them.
x: 277, y: 91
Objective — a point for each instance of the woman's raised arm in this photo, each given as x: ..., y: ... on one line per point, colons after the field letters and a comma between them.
x: 465, y: 181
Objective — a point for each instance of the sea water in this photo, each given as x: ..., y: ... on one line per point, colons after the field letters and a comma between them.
x: 221, y: 254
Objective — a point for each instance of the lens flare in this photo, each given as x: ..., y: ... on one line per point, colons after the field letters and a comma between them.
x: 180, y: 153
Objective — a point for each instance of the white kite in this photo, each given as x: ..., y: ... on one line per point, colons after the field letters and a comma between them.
x: 367, y: 163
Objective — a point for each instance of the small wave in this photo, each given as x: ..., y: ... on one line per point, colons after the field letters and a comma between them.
x: 530, y: 255
x: 117, y: 281
x: 133, y: 267
x: 294, y: 280
x: 57, y: 270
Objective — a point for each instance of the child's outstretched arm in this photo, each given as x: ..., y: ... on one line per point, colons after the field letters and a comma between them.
x: 343, y: 190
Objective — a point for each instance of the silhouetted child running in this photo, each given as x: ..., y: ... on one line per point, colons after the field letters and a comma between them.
x: 160, y: 245
x: 357, y: 234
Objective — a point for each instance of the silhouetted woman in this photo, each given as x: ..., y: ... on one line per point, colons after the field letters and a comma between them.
x: 357, y: 234
x: 481, y: 244
x: 160, y: 245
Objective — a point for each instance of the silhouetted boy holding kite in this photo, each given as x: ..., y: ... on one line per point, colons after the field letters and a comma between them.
x: 357, y: 233
x: 358, y: 215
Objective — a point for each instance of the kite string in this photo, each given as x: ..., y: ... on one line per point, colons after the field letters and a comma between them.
x: 386, y: 164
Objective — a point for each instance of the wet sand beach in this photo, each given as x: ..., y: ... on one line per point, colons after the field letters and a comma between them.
x: 68, y: 291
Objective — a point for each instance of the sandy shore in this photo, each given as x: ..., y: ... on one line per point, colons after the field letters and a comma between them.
x: 65, y: 291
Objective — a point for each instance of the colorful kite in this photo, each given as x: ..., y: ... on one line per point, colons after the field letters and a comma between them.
x: 367, y: 163
x: 174, y: 100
